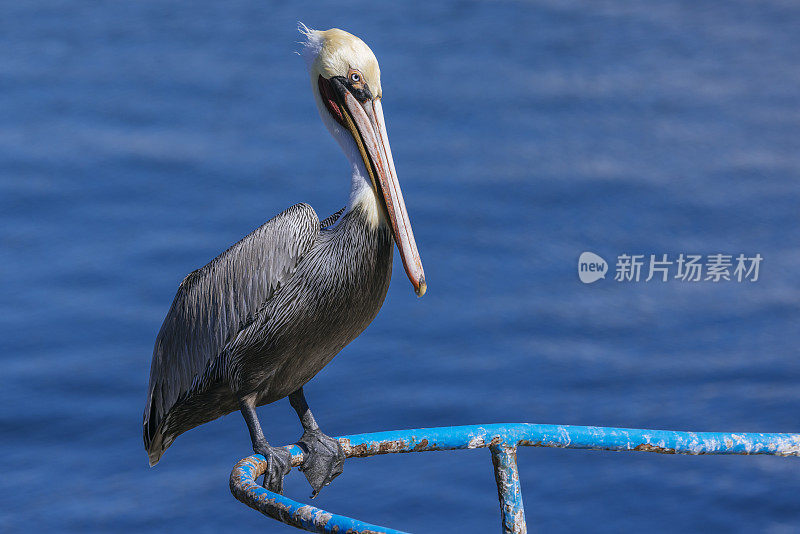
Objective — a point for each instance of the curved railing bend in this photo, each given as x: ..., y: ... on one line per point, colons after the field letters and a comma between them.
x: 502, y: 440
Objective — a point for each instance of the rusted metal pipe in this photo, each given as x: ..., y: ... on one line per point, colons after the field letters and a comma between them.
x: 509, y: 491
x: 503, y: 440
x: 310, y: 518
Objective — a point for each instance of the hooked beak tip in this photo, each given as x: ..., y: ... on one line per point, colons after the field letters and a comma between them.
x: 422, y: 288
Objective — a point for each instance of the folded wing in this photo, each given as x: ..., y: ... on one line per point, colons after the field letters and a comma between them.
x: 212, y: 305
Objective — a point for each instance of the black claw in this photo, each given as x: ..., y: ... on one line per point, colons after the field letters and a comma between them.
x: 279, y: 463
x: 324, y: 459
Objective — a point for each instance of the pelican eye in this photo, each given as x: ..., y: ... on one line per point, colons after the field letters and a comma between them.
x: 355, y: 77
x: 357, y: 85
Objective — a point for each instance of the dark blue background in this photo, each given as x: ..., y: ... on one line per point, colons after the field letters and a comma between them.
x: 140, y: 139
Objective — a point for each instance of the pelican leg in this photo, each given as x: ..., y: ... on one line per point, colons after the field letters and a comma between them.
x: 279, y: 461
x: 324, y: 456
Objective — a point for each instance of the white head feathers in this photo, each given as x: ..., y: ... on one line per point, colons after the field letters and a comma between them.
x: 333, y: 52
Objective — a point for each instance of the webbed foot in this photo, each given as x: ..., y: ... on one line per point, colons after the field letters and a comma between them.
x: 324, y: 459
x: 279, y: 463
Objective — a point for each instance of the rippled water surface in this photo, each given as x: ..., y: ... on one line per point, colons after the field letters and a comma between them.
x: 140, y: 139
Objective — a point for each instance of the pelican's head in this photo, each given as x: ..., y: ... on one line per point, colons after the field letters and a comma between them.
x: 346, y: 82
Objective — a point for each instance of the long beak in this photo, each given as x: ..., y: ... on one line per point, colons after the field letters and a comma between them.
x: 366, y: 123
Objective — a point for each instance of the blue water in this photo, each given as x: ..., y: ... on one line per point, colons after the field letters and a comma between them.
x: 140, y: 139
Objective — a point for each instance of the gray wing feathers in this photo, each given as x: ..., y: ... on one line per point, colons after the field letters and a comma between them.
x: 215, y: 302
x: 332, y: 218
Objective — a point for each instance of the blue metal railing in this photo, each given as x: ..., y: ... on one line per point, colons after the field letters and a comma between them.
x: 502, y: 440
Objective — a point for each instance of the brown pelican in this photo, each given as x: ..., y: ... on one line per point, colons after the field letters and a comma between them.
x: 265, y: 316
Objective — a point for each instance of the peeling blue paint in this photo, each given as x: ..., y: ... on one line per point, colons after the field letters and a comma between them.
x: 245, y: 488
x: 509, y: 491
x: 503, y: 440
